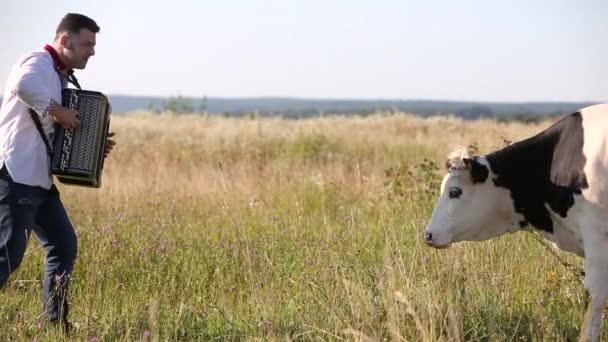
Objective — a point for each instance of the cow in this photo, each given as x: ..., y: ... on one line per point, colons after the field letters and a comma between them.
x: 555, y: 183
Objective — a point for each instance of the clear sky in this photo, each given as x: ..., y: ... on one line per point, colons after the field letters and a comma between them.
x: 499, y: 50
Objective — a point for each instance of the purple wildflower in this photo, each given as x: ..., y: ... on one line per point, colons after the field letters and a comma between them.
x: 426, y: 259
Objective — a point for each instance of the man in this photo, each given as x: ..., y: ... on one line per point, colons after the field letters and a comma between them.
x: 28, y: 198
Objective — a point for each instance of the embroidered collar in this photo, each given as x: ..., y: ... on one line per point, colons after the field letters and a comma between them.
x: 58, y: 63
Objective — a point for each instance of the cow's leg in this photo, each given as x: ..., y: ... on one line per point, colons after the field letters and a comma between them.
x: 595, y: 242
x: 592, y: 323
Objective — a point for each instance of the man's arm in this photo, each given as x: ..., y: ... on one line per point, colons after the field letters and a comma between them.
x: 33, y: 86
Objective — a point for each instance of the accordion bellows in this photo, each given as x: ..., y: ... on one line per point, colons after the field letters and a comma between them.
x: 78, y: 154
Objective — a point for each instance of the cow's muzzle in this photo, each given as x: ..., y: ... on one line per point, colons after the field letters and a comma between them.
x: 428, y: 239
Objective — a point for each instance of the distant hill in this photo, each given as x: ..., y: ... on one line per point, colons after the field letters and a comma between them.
x: 301, y: 107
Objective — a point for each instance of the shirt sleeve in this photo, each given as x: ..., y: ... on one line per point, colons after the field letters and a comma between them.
x: 33, y: 84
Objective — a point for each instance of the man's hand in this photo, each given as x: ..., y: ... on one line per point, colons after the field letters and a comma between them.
x: 66, y: 117
x: 109, y: 145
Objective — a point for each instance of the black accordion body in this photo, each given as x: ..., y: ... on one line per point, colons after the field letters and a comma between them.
x: 78, y: 154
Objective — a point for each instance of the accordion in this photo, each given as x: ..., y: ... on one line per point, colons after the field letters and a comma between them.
x: 78, y: 154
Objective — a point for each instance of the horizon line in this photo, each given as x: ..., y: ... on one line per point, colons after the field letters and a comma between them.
x: 303, y: 98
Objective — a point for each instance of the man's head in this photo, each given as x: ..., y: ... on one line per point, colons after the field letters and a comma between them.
x: 75, y: 40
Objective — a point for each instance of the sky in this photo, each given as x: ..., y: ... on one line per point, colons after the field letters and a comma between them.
x: 500, y: 50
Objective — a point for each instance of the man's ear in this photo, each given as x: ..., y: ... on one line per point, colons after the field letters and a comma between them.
x: 64, y: 39
x: 479, y: 172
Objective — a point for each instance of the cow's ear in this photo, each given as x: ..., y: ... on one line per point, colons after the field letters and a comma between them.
x: 479, y: 172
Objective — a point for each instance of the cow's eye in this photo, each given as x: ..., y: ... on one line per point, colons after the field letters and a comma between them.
x: 455, y: 192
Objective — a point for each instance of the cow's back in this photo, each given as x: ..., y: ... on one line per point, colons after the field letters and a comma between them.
x: 595, y: 149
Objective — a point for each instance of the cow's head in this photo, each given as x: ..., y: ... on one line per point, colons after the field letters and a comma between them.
x: 470, y: 207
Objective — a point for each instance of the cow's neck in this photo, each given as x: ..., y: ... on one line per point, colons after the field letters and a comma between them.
x: 544, y: 172
x: 524, y: 169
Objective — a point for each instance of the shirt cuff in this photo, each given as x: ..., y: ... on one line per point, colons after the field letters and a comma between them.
x: 46, y: 110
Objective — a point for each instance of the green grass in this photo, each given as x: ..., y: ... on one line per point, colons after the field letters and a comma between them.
x: 303, y: 254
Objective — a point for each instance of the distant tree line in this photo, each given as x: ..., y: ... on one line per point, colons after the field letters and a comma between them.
x: 306, y: 108
x: 180, y: 105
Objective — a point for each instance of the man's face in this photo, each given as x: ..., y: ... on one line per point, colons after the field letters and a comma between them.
x: 78, y: 48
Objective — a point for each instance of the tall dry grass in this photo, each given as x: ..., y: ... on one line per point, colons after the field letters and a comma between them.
x: 211, y: 228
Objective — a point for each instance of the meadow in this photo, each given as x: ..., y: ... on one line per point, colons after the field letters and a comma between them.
x: 217, y: 228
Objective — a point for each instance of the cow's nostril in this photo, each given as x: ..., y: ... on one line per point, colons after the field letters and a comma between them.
x: 428, y: 237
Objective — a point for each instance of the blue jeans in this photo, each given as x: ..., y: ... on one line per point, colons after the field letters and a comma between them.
x: 25, y: 208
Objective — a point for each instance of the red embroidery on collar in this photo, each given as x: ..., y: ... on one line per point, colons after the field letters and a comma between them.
x: 55, y: 56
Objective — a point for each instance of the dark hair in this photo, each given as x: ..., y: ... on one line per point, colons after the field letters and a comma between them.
x: 74, y: 22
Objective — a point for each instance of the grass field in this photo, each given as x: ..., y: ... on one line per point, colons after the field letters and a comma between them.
x: 268, y: 229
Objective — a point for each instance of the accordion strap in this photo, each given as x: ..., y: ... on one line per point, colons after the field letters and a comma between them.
x: 38, y: 124
x: 72, y: 79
